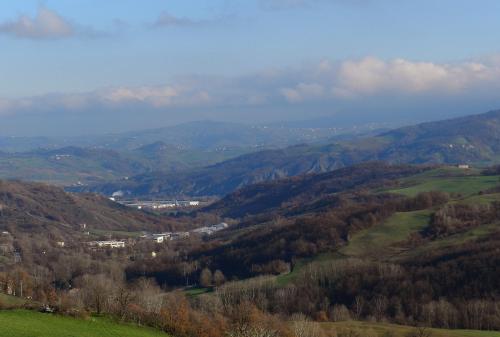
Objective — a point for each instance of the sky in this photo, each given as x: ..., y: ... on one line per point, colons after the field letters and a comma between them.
x: 77, y: 67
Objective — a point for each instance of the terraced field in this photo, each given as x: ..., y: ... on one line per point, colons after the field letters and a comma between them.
x: 22, y: 323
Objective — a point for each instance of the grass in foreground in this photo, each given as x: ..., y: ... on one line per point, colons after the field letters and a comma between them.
x: 381, y: 329
x: 23, y: 323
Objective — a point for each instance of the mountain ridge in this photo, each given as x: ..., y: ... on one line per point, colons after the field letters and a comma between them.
x: 470, y: 139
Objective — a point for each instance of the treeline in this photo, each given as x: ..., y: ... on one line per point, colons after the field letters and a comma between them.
x: 273, y: 247
x: 299, y: 194
x: 455, y: 218
x: 144, y: 303
x: 360, y: 290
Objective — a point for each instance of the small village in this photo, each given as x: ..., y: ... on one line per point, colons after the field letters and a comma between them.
x: 157, y: 204
x: 158, y: 237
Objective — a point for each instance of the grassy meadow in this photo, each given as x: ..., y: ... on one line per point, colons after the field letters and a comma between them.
x: 23, y: 323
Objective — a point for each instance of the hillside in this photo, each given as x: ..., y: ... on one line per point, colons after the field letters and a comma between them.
x: 68, y: 165
x: 101, y: 158
x: 22, y: 323
x: 471, y: 139
x: 308, y: 192
x: 39, y: 208
x: 408, y: 247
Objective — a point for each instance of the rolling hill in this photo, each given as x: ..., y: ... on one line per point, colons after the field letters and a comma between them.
x: 97, y: 159
x: 418, y: 244
x: 308, y: 192
x: 471, y: 139
x: 37, y: 208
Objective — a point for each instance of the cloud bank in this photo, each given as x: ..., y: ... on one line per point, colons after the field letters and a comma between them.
x: 325, y: 81
x: 365, y: 85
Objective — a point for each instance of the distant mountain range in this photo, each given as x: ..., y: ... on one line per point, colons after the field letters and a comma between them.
x: 472, y: 139
x: 201, y: 135
x: 98, y: 159
x: 76, y: 165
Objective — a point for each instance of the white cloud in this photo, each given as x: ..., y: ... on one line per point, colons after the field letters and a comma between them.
x: 157, y: 96
x: 46, y: 24
x: 168, y: 96
x: 371, y: 76
x: 330, y: 83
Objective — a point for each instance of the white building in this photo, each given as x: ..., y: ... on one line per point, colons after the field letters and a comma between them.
x: 107, y: 244
x: 159, y: 238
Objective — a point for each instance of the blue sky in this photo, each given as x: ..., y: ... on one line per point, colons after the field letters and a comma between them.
x: 101, y: 66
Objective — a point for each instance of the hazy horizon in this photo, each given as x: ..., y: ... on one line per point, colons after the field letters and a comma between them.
x: 91, y: 68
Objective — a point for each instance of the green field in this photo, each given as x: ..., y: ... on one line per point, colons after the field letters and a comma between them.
x: 116, y: 234
x: 381, y: 329
x: 449, y: 180
x: 482, y: 199
x: 22, y: 323
x: 463, y: 185
x: 380, y: 240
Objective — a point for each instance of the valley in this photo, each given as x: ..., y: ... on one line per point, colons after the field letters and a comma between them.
x: 249, y: 168
x: 379, y: 226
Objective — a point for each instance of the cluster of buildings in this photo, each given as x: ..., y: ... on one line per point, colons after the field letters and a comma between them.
x: 207, y: 230
x: 157, y: 237
x: 162, y: 237
x: 107, y: 244
x: 158, y: 204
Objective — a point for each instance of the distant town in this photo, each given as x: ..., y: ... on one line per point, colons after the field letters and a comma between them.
x: 158, y: 204
x: 159, y: 237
